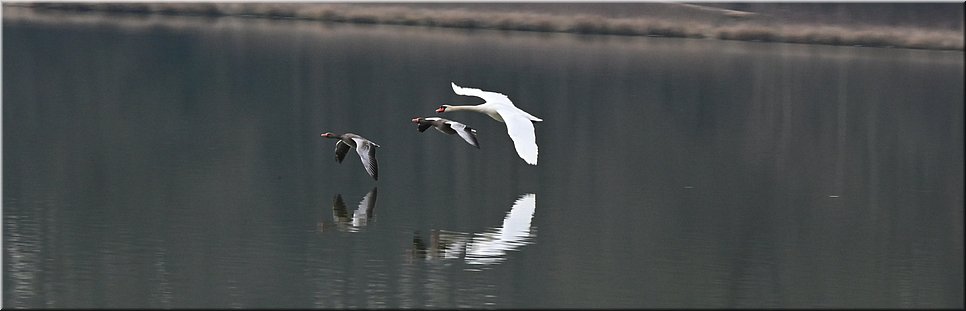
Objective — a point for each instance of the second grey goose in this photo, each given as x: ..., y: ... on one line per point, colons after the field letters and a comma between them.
x: 449, y: 127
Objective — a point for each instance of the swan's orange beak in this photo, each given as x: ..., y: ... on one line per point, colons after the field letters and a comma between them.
x: 441, y: 109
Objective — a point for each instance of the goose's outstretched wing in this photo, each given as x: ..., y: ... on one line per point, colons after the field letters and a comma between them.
x: 467, y: 133
x: 423, y: 126
x: 367, y: 152
x: 521, y: 132
x: 341, y: 148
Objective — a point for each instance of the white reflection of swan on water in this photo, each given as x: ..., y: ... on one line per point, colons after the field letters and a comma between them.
x: 360, y: 216
x: 488, y: 247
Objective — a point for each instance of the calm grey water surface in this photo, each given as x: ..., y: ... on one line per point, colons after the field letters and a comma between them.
x: 181, y: 166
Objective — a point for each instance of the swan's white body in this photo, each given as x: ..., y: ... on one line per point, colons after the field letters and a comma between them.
x: 499, y: 107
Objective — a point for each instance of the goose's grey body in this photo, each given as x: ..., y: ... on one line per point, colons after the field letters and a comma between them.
x: 364, y: 147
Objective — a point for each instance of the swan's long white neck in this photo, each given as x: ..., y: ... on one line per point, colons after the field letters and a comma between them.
x: 475, y: 108
x: 481, y: 108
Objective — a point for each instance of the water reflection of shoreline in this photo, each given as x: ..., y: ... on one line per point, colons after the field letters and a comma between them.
x: 360, y: 217
x: 482, y: 248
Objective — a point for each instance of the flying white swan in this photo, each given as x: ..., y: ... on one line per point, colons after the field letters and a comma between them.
x: 499, y: 107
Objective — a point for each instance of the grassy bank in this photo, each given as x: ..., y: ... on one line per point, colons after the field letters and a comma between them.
x: 713, y: 21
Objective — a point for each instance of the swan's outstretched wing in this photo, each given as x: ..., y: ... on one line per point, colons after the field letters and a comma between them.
x: 341, y: 148
x: 468, y: 133
x: 490, y: 97
x: 367, y: 152
x: 521, y: 131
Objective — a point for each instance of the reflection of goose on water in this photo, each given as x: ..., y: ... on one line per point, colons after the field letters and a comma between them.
x: 360, y: 217
x: 488, y: 247
x: 442, y: 244
x: 499, y: 107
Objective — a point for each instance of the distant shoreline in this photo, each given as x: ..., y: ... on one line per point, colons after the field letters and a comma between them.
x: 675, y: 20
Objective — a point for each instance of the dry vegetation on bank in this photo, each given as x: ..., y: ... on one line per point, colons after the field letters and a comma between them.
x: 640, y: 19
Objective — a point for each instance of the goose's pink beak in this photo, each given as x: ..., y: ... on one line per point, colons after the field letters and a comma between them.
x: 415, y: 120
x: 441, y: 109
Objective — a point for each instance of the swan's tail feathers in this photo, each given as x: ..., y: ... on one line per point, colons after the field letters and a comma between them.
x: 531, y: 117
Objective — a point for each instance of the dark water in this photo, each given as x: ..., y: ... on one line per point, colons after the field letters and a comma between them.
x: 181, y: 166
